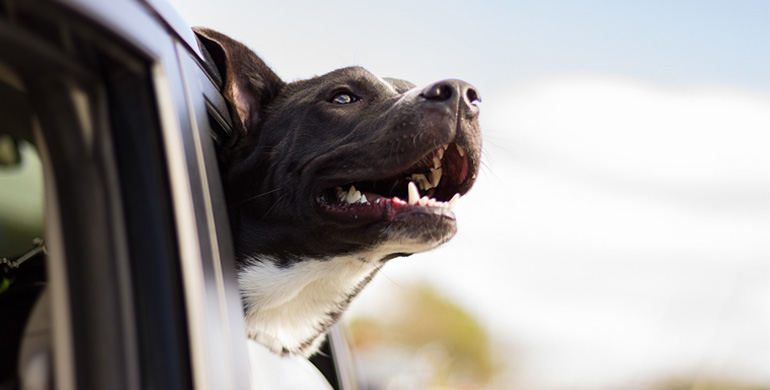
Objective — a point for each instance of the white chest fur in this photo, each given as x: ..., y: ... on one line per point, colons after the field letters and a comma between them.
x: 291, y: 307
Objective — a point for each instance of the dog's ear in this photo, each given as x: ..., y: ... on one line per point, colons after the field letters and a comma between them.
x: 248, y: 84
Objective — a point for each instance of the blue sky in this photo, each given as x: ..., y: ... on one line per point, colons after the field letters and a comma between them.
x: 677, y: 42
x: 624, y: 203
x: 667, y: 41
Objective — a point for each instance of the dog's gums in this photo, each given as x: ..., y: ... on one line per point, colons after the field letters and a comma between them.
x: 429, y: 187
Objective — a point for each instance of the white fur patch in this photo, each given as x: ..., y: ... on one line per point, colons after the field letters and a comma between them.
x: 288, y: 308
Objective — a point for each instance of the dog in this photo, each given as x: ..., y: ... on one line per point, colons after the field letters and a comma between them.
x: 329, y: 178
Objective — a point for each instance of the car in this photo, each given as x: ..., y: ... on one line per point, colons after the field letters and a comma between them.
x: 117, y: 268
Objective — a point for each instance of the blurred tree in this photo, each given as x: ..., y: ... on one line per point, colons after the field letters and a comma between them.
x: 437, y: 330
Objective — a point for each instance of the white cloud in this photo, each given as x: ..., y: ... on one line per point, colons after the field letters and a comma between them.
x: 628, y: 128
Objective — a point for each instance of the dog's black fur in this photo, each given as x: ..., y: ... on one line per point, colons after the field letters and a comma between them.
x: 296, y: 145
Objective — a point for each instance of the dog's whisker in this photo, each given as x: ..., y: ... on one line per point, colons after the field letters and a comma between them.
x: 378, y: 267
x: 484, y: 166
x: 255, y: 197
x: 277, y: 201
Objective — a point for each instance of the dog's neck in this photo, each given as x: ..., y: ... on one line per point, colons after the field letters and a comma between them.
x: 290, y: 308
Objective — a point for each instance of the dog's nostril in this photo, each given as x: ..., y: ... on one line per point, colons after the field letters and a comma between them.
x: 473, y: 96
x: 438, y: 92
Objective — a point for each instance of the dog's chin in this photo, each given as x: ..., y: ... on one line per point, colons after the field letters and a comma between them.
x: 414, y: 232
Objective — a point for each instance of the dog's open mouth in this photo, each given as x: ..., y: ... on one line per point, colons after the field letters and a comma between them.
x: 430, y: 186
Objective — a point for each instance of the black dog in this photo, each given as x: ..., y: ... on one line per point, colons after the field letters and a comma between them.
x: 329, y: 178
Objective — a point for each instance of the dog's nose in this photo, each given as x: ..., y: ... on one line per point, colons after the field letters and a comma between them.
x: 456, y: 94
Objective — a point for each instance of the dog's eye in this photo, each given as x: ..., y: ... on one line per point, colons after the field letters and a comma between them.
x: 344, y: 98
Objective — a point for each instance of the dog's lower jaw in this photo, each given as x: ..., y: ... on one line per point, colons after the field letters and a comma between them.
x: 290, y: 308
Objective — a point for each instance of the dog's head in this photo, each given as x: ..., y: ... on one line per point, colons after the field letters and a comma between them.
x: 322, y: 167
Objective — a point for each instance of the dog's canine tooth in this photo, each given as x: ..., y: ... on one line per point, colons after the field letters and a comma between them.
x: 363, y: 199
x: 452, y: 201
x: 440, y: 153
x: 460, y: 150
x: 414, y: 194
x: 436, y: 162
x: 435, y: 176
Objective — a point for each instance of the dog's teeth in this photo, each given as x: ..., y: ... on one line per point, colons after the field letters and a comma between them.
x: 423, y: 201
x: 446, y: 146
x: 353, y: 195
x: 341, y: 194
x: 414, y: 194
x: 363, y: 199
x: 421, y: 180
x: 460, y: 150
x: 435, y: 176
x: 436, y: 162
x: 452, y: 201
x: 440, y: 152
x: 432, y: 202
